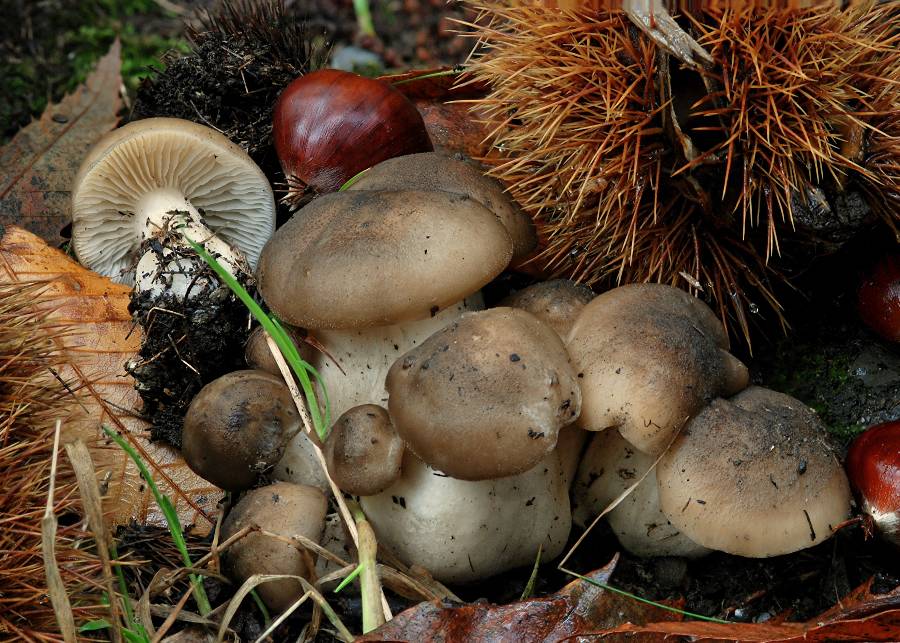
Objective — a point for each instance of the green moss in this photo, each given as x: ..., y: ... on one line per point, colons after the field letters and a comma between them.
x: 66, y: 39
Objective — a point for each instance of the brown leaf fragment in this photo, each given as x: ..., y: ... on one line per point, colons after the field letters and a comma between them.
x: 38, y: 165
x: 578, y: 608
x: 99, y: 339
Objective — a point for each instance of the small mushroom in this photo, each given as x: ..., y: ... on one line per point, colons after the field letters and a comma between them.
x: 283, y: 509
x: 363, y: 451
x: 237, y: 427
x: 754, y: 476
x: 436, y: 172
x: 486, y: 396
x: 463, y: 531
x: 138, y: 180
x: 257, y: 353
x: 648, y: 358
x: 609, y: 467
x: 557, y: 302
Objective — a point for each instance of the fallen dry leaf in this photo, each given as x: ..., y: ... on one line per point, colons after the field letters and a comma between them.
x: 38, y: 165
x: 440, y: 95
x: 93, y: 353
x: 578, y: 608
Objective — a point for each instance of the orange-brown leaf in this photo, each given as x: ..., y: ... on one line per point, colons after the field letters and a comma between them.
x: 38, y: 166
x: 100, y: 339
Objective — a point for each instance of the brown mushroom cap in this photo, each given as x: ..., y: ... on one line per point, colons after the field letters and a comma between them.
x: 754, y: 476
x: 486, y: 396
x: 287, y: 510
x: 363, y: 451
x: 648, y: 358
x: 435, y: 171
x: 237, y: 427
x: 259, y: 357
x: 557, y: 302
x: 362, y: 259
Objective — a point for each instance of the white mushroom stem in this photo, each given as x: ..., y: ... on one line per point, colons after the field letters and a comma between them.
x: 463, y: 531
x: 166, y: 210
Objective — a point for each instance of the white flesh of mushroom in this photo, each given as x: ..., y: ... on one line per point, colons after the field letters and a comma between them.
x: 166, y: 212
x: 463, y: 531
x: 609, y: 467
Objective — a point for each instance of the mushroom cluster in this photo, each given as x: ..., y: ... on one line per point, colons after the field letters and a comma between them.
x: 462, y: 429
x: 742, y: 470
x: 449, y: 415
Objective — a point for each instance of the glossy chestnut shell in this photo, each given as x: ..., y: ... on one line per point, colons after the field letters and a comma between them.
x: 873, y: 466
x: 879, y: 298
x: 331, y: 125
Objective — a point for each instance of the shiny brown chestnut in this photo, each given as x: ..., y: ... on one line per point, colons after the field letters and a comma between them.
x: 331, y: 125
x: 873, y: 466
x: 879, y: 298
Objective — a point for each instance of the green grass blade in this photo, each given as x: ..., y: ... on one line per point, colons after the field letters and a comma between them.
x: 529, y: 586
x: 646, y: 601
x: 353, y: 179
x: 171, y: 518
x: 284, y: 343
x: 349, y: 579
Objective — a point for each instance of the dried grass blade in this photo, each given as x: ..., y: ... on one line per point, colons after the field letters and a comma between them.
x: 86, y: 476
x: 55, y: 585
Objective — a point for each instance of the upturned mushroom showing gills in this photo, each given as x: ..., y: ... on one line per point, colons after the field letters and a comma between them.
x: 436, y: 172
x: 648, y: 358
x: 237, y: 427
x: 142, y: 181
x: 486, y: 396
x: 753, y: 476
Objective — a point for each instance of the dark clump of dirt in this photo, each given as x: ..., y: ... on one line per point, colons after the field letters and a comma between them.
x: 187, y: 344
x: 242, y: 56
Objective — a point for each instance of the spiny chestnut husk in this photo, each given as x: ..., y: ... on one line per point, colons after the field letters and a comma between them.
x: 873, y: 466
x: 331, y: 125
x: 879, y: 298
x: 636, y: 168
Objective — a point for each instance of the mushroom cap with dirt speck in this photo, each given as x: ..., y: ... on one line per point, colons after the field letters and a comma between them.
x: 363, y: 451
x: 194, y: 163
x: 648, y: 358
x: 486, y: 396
x: 372, y: 258
x: 610, y: 467
x: 237, y: 427
x: 284, y: 509
x: 437, y: 172
x: 557, y: 302
x: 754, y: 476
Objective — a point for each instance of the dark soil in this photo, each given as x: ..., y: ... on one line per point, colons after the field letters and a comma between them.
x: 186, y: 345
